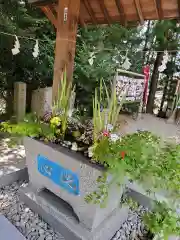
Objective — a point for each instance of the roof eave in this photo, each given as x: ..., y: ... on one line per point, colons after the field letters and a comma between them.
x: 41, y: 2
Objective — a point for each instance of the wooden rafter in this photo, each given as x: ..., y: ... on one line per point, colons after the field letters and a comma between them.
x: 54, y: 7
x: 48, y: 12
x: 81, y: 17
x: 139, y: 11
x: 90, y: 11
x: 159, y: 9
x: 121, y: 11
x: 105, y: 11
x: 81, y: 21
x: 156, y: 9
x: 116, y: 9
x: 179, y: 7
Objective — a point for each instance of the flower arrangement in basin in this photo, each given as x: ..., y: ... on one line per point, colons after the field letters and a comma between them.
x: 97, y: 179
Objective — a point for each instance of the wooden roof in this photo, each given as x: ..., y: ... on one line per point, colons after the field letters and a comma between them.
x: 112, y: 11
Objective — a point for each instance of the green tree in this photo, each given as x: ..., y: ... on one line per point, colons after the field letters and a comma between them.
x: 100, y: 51
x: 20, y: 18
x: 165, y: 39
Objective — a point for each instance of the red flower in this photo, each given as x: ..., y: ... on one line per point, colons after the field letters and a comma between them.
x: 123, y: 153
x: 105, y: 133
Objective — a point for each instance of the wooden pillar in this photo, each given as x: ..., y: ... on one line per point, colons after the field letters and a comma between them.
x: 67, y: 23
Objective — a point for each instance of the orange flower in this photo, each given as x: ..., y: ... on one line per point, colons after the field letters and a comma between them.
x: 123, y: 153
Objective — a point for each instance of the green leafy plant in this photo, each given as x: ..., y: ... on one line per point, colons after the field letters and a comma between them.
x: 99, y: 196
x: 128, y: 201
x: 144, y: 158
x: 162, y: 221
x: 32, y: 126
x: 53, y: 124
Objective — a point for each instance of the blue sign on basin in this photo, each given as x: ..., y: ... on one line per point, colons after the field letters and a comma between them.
x: 65, y: 178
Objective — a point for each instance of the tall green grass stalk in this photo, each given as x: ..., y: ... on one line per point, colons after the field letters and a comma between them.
x: 62, y: 104
x: 115, y: 106
x: 110, y: 116
x: 98, y: 116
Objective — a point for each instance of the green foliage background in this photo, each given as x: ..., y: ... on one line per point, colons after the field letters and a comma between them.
x: 24, y: 20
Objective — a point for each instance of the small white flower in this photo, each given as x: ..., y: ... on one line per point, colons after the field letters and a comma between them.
x: 159, y: 236
x: 15, y: 51
x: 91, y: 61
x: 36, y: 49
x: 162, y: 68
x: 90, y: 151
x: 109, y: 127
x: 164, y: 62
x: 70, y: 112
x: 74, y: 146
x: 126, y: 65
x: 114, y: 137
x: 178, y: 211
x: 16, y: 48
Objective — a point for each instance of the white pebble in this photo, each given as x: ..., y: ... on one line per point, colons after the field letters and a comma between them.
x: 48, y: 238
x: 1, y: 196
x: 41, y: 238
x: 17, y: 224
x: 26, y: 210
x: 41, y: 231
x: 117, y: 235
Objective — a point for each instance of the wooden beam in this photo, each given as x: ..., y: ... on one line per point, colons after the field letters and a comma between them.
x: 130, y: 73
x: 39, y: 2
x: 179, y: 7
x: 90, y: 11
x: 81, y: 17
x: 120, y: 8
x: 105, y: 11
x: 81, y: 21
x: 67, y: 17
x: 49, y: 14
x: 159, y: 9
x: 156, y: 9
x: 139, y: 11
x: 54, y: 8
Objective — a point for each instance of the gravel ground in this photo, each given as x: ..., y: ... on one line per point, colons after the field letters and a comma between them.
x: 133, y: 228
x: 26, y: 221
x: 34, y: 228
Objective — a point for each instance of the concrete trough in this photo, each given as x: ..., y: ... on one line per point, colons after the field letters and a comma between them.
x: 70, y: 177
